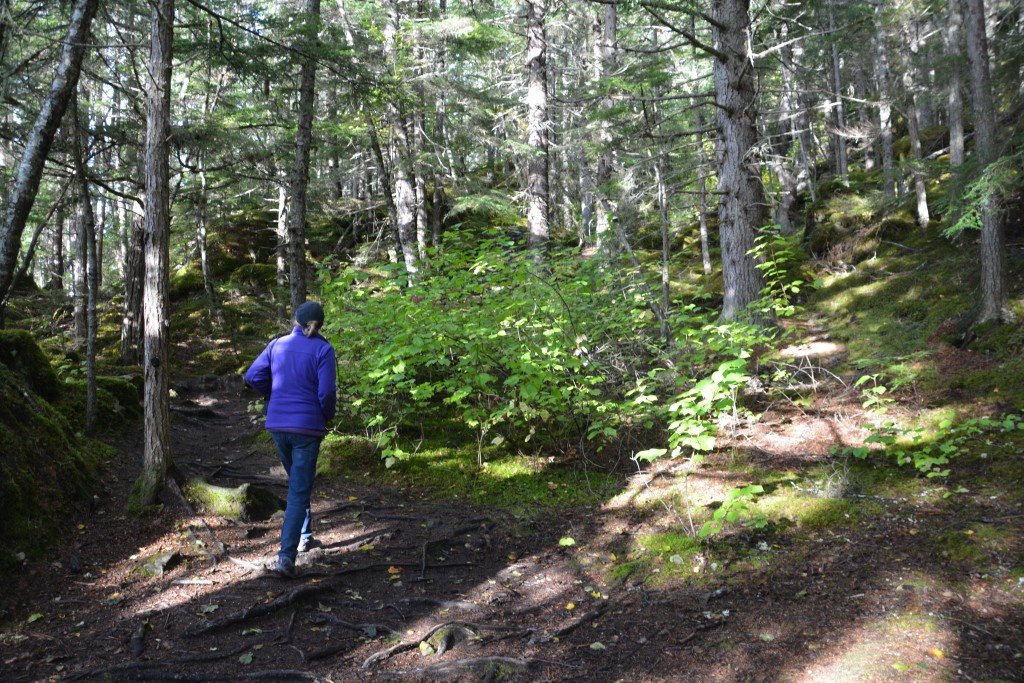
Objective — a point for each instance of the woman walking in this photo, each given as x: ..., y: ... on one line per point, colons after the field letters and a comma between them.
x: 296, y: 375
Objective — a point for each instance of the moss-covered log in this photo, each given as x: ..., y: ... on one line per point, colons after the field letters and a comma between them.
x: 244, y: 503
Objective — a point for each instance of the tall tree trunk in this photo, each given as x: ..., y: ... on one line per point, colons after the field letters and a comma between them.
x: 157, y: 460
x: 437, y: 203
x: 537, y: 125
x: 954, y: 50
x: 702, y: 189
x: 861, y: 89
x: 884, y: 101
x: 89, y: 263
x: 56, y: 277
x: 741, y: 193
x: 992, y: 289
x: 913, y: 127
x: 30, y: 171
x: 384, y: 172
x: 838, y: 136
x: 402, y: 167
x: 606, y: 63
x: 202, y: 198
x: 134, y: 282
x: 303, y: 147
x: 788, y: 138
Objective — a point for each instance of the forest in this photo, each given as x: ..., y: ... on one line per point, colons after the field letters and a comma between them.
x: 676, y: 340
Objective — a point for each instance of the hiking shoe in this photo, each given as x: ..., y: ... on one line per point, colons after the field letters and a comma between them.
x: 285, y: 568
x: 307, y: 544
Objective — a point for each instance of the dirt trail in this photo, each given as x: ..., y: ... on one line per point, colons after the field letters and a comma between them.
x: 418, y: 589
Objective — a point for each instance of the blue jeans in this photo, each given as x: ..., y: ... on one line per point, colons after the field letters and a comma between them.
x: 298, y: 455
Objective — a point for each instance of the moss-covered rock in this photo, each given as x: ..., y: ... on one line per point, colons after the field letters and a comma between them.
x: 45, y: 469
x: 186, y: 281
x: 346, y: 454
x: 244, y: 503
x: 22, y: 356
x: 118, y: 402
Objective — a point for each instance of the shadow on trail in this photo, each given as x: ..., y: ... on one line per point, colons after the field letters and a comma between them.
x: 413, y: 588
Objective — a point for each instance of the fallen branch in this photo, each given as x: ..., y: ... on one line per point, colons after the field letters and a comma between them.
x: 277, y: 603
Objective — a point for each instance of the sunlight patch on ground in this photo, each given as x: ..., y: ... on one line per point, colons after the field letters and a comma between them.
x: 673, y: 483
x: 897, y: 646
x: 820, y: 350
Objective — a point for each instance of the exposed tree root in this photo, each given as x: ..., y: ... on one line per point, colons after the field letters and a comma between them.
x: 106, y: 673
x: 277, y: 603
x: 282, y: 675
x: 368, y: 630
x: 439, y: 640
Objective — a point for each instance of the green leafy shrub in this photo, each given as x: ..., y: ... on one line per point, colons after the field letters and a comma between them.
x: 519, y: 352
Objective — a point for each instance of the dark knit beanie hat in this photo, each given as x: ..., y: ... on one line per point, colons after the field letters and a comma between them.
x: 309, y: 312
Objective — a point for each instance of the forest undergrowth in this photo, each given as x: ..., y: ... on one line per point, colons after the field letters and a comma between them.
x: 527, y: 484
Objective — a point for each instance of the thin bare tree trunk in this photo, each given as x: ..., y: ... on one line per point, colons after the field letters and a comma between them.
x: 30, y: 171
x: 913, y: 129
x: 89, y: 263
x: 884, y: 101
x: 402, y: 167
x: 838, y: 136
x: 606, y: 62
x: 954, y: 50
x: 537, y: 125
x: 134, y: 282
x: 303, y: 147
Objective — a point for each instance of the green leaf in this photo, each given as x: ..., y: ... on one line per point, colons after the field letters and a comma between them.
x: 246, y: 658
x: 566, y: 541
x: 35, y: 616
x: 650, y: 454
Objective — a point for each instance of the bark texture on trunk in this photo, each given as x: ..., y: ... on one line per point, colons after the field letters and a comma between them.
x: 741, y: 204
x: 157, y: 458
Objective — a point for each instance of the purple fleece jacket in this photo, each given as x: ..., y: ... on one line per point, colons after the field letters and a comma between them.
x: 297, y: 374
